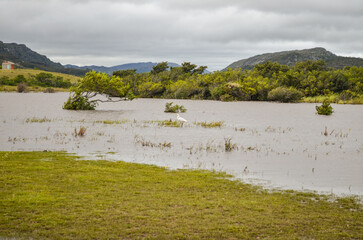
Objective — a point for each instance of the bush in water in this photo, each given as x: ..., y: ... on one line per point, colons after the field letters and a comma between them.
x: 325, y: 108
x: 174, y: 109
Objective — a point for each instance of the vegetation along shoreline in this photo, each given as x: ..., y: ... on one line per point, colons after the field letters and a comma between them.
x: 309, y: 81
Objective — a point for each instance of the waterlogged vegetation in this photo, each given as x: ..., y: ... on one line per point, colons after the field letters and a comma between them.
x: 146, y: 143
x: 267, y: 81
x: 325, y: 108
x: 166, y: 123
x: 80, y: 132
x: 84, y: 96
x: 57, y: 195
x: 37, y: 120
x: 123, y: 121
x: 170, y: 108
x: 228, y: 145
x: 213, y: 124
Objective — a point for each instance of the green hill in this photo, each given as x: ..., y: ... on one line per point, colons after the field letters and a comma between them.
x: 27, y: 73
x: 24, y: 57
x: 290, y: 58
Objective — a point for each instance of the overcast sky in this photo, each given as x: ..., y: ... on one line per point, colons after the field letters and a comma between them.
x: 214, y: 33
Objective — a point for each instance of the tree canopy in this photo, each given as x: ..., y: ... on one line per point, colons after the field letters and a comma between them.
x: 84, y: 95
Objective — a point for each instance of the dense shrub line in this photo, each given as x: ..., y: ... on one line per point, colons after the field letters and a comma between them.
x: 267, y: 81
x: 41, y: 79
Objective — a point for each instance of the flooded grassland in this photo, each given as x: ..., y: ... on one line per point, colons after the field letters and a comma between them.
x: 277, y: 145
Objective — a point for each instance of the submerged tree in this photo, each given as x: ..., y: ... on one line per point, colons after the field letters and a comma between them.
x: 325, y: 108
x: 85, y: 95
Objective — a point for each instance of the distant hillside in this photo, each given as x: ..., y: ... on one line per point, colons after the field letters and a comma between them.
x: 24, y: 57
x: 292, y: 57
x: 28, y: 73
x: 141, y: 67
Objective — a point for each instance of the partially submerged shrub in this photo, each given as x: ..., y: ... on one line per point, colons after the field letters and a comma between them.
x: 22, y: 87
x: 78, y: 102
x: 325, y: 108
x: 174, y: 109
x: 284, y: 94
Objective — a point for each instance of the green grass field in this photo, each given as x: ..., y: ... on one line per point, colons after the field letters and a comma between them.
x: 46, y: 195
x: 6, y: 88
x: 29, y: 72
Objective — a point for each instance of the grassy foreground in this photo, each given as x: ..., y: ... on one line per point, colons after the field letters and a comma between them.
x: 53, y: 195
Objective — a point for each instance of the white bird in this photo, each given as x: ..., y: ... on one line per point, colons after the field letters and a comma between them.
x: 180, y: 119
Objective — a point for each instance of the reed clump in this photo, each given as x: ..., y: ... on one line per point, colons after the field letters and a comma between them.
x: 228, y: 145
x: 146, y: 143
x: 81, y: 132
x: 37, y: 120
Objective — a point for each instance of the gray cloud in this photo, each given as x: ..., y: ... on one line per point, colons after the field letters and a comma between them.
x: 213, y: 33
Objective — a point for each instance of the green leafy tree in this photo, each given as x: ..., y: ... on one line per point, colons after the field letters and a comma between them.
x: 268, y: 68
x: 339, y: 82
x: 124, y: 73
x: 188, y: 67
x: 309, y: 66
x: 44, y: 79
x: 200, y: 70
x: 160, y: 67
x: 83, y: 96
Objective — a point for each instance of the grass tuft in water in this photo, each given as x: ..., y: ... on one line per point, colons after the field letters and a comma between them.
x: 166, y: 123
x: 228, y: 145
x: 217, y: 124
x: 146, y: 143
x: 123, y: 121
x: 37, y: 120
x: 81, y: 132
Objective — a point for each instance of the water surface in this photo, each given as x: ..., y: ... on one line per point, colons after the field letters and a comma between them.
x: 276, y: 145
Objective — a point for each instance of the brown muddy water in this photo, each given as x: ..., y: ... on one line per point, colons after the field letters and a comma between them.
x: 282, y: 146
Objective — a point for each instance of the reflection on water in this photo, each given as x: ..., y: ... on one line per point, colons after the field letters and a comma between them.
x: 278, y: 145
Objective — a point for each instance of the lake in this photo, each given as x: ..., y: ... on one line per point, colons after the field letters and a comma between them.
x: 283, y: 146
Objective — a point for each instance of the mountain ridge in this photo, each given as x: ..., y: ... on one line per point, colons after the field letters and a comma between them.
x: 141, y: 67
x: 293, y: 56
x: 24, y: 57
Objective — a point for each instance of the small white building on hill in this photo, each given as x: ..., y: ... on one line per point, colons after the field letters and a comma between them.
x: 8, y: 65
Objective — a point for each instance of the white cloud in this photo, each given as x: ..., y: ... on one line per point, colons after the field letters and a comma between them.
x: 213, y: 33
